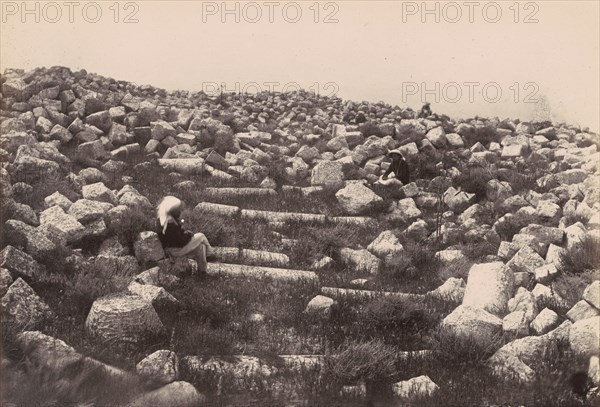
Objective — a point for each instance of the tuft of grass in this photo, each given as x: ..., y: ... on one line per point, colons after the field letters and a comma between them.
x: 582, y: 257
x: 463, y: 350
x: 356, y: 361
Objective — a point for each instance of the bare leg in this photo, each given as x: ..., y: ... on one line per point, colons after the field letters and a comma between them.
x: 199, y: 254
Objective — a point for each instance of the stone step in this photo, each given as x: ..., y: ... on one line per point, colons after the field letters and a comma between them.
x: 239, y: 270
x: 335, y: 292
x: 283, y: 372
x: 235, y: 255
x: 351, y: 220
x: 305, y: 191
x: 282, y: 216
x: 217, y: 209
x: 186, y: 166
x: 238, y: 192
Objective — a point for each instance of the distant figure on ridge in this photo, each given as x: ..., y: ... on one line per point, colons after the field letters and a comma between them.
x: 425, y: 111
x: 399, y: 167
x: 177, y: 241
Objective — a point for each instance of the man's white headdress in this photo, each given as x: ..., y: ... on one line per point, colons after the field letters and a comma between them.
x: 166, y: 206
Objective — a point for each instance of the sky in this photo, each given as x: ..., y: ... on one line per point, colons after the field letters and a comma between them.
x: 527, y: 60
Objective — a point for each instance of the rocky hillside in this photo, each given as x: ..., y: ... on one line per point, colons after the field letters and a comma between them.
x: 324, y: 286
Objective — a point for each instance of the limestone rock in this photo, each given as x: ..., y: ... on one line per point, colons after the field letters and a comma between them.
x: 122, y: 318
x: 466, y: 321
x: 5, y: 281
x: 162, y: 365
x: 58, y: 199
x: 584, y: 336
x: 67, y: 225
x: 327, y: 173
x: 320, y: 306
x: 22, y: 308
x: 356, y: 198
x: 99, y: 192
x: 524, y: 301
x: 489, y: 287
x: 360, y: 260
x: 453, y: 289
x: 157, y: 296
x: 161, y: 130
x: 458, y: 200
x: 155, y: 277
x: 515, y: 324
x: 545, y: 321
x: 592, y: 294
x: 148, y: 248
x: 85, y: 210
x: 19, y: 263
x: 526, y: 259
x: 181, y: 394
x: 385, y: 244
x: 507, y: 366
x: 582, y: 310
x: 417, y: 387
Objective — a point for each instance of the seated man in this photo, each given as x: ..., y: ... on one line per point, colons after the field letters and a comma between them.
x: 177, y: 241
x: 425, y: 111
x: 399, y: 167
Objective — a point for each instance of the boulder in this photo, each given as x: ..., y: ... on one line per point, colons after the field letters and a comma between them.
x: 180, y: 394
x: 155, y: 277
x: 99, y: 192
x: 437, y: 137
x: 320, y: 306
x: 161, y: 130
x: 582, y: 310
x: 85, y: 210
x: 162, y: 365
x: 584, y: 336
x: 327, y: 173
x: 470, y: 322
x: 524, y: 301
x: 508, y: 367
x: 123, y: 318
x: 360, y: 260
x: 92, y: 149
x: 515, y: 324
x: 22, y: 308
x: 455, y: 140
x: 386, y: 244
x: 544, y: 234
x: 489, y: 287
x: 513, y: 151
x: 101, y: 120
x: 526, y: 260
x: 453, y: 289
x: 308, y: 154
x: 5, y: 281
x: 545, y: 321
x: 592, y: 294
x: 458, y: 200
x: 36, y: 243
x: 56, y: 219
x: 356, y: 198
x: 148, y: 247
x: 185, y: 166
x: 157, y: 296
x: 415, y: 388
x: 570, y: 177
x: 19, y: 263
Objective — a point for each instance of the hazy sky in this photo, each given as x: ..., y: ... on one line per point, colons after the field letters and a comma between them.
x: 464, y: 64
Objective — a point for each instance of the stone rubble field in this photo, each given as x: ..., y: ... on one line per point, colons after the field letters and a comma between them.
x: 324, y: 288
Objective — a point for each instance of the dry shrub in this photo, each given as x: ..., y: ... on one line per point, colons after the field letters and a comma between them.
x: 355, y: 361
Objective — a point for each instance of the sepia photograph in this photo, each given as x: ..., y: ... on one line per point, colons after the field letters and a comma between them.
x: 311, y: 203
